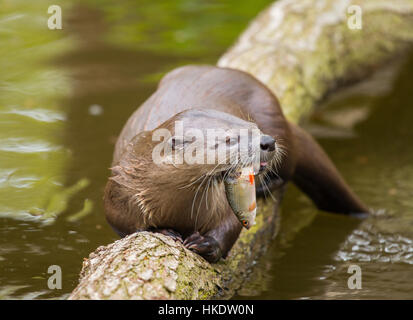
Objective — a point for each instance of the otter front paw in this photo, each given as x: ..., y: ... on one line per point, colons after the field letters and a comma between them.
x: 170, y: 233
x: 207, y: 247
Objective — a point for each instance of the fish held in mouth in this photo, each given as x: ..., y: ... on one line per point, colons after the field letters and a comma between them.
x: 241, y: 195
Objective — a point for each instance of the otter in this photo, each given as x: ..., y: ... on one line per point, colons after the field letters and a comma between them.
x: 188, y: 202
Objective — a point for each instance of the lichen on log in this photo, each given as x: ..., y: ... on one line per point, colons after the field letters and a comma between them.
x: 149, y: 265
x: 301, y: 50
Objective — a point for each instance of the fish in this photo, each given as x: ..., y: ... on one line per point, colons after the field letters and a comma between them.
x: 241, y: 196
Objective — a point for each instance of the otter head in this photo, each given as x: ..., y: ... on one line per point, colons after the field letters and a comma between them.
x: 179, y: 168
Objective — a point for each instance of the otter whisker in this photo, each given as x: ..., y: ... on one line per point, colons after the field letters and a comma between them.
x: 200, y: 202
x: 230, y: 170
x: 208, y: 174
x: 196, y: 193
x: 211, y: 176
x: 266, y: 188
x: 269, y: 191
x: 193, y: 182
x: 261, y: 182
x: 206, y: 198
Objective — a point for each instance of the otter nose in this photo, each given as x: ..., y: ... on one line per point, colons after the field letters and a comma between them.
x: 267, y: 143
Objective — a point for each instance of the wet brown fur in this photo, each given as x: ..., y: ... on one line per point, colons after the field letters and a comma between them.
x: 140, y: 195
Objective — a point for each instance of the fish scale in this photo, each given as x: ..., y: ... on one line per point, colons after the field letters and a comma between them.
x: 241, y: 196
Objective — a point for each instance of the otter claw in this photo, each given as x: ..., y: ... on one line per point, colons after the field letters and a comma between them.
x: 170, y: 233
x: 192, y: 237
x: 207, y: 247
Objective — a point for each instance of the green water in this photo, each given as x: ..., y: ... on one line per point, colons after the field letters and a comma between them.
x: 65, y: 95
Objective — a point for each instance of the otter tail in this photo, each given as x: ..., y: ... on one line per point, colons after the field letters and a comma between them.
x: 317, y: 176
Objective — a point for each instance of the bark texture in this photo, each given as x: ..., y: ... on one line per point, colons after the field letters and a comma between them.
x: 302, y: 50
x: 153, y: 266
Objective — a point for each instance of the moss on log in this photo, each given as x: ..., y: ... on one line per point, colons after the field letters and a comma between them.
x: 301, y: 50
x: 153, y: 266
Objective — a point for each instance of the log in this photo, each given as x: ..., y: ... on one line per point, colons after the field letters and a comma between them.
x: 302, y: 50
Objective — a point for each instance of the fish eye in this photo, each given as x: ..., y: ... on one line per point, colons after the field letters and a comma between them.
x: 245, y: 223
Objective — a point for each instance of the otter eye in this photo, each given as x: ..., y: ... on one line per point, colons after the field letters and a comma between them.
x: 245, y: 223
x: 176, y: 143
x: 230, y: 141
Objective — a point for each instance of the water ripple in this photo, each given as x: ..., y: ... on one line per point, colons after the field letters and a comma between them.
x: 42, y: 115
x: 370, y: 245
x: 21, y: 145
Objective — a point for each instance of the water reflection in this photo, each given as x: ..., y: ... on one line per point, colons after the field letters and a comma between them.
x: 32, y: 156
